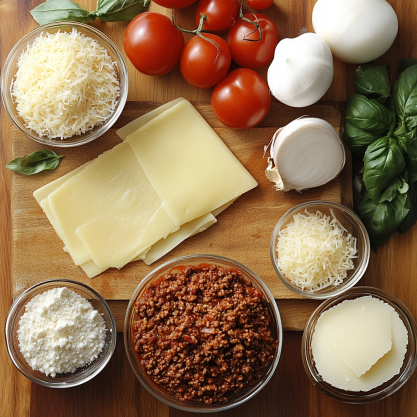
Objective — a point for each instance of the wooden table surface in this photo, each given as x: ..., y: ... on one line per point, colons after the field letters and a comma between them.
x: 116, y: 392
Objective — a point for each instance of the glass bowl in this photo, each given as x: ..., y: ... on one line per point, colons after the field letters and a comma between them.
x: 384, y: 390
x: 10, y: 69
x: 351, y: 222
x: 194, y: 406
x: 82, y: 374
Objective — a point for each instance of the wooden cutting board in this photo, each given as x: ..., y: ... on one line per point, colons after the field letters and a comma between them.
x: 242, y: 232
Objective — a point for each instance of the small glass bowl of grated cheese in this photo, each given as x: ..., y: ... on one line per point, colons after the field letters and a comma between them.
x: 60, y: 333
x: 64, y: 84
x: 319, y: 249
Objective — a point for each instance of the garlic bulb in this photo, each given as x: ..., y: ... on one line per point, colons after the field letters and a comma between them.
x: 357, y: 31
x: 302, y: 70
x: 306, y: 153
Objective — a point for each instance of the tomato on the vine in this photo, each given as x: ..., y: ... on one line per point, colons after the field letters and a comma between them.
x: 205, y: 60
x: 153, y: 44
x: 248, y: 48
x: 174, y: 4
x: 220, y: 14
x: 260, y: 4
x: 242, y: 99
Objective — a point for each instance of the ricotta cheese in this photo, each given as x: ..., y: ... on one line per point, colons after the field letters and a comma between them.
x: 60, y: 331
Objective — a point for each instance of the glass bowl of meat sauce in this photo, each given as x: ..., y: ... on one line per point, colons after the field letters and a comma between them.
x: 203, y: 333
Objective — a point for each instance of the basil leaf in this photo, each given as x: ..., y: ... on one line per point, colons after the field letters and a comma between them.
x: 408, y: 143
x: 411, y: 217
x: 405, y: 98
x: 398, y: 186
x: 55, y: 10
x: 376, y: 218
x: 372, y: 81
x: 412, y: 169
x: 382, y: 162
x: 381, y: 220
x: 35, y: 162
x: 120, y: 10
x: 406, y: 63
x: 366, y: 121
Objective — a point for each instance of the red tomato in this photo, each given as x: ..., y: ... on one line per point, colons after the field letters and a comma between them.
x: 246, y: 50
x: 221, y: 14
x: 174, y: 4
x: 202, y: 64
x: 260, y: 4
x: 153, y: 44
x: 242, y: 99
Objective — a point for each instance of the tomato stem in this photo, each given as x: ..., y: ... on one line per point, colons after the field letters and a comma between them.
x: 199, y: 31
x: 195, y: 31
x: 257, y: 26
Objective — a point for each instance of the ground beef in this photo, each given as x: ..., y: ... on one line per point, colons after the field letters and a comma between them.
x: 203, y: 333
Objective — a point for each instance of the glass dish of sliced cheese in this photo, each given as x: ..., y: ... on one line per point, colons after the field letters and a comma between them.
x: 168, y: 180
x: 360, y: 346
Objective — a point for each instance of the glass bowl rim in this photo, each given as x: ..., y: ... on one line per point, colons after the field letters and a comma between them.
x: 358, y: 274
x: 88, y: 136
x: 400, y: 379
x: 271, y: 300
x: 113, y: 332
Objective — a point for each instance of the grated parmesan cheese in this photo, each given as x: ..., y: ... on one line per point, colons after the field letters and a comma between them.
x: 315, y: 251
x: 65, y: 85
x: 60, y: 331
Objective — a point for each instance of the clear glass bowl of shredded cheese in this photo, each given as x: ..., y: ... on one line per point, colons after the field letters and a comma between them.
x: 64, y: 84
x: 388, y: 374
x: 319, y: 249
x: 59, y: 343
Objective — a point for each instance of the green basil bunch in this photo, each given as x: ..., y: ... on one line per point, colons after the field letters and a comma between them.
x: 107, y: 10
x: 381, y: 128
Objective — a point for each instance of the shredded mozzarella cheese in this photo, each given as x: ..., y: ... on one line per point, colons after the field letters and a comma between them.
x: 65, y: 85
x: 315, y: 251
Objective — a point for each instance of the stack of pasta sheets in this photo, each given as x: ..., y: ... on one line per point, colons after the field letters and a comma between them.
x: 168, y: 180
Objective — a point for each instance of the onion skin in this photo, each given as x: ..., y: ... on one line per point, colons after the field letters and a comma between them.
x: 302, y: 70
x: 306, y: 153
x: 357, y: 31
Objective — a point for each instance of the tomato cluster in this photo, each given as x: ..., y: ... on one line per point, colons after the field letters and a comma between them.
x: 241, y: 99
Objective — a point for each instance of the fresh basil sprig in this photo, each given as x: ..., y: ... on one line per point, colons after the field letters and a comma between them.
x: 107, y: 10
x: 35, y: 162
x: 372, y: 81
x: 384, y: 134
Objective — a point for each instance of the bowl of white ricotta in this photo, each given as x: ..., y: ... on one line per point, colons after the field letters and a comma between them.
x: 60, y: 333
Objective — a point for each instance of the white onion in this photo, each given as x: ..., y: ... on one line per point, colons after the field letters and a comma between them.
x: 302, y: 70
x: 306, y: 153
x: 357, y: 31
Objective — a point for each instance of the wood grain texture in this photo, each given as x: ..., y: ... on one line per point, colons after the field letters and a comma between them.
x: 242, y: 232
x: 115, y: 392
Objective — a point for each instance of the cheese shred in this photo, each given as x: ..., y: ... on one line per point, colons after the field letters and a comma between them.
x: 66, y: 84
x: 315, y: 251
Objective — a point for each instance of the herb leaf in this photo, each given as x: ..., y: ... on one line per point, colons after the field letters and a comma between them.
x: 408, y: 143
x: 35, y: 162
x: 397, y: 186
x: 120, y: 10
x: 405, y: 98
x: 381, y: 220
x: 372, y: 81
x: 55, y: 10
x: 411, y: 217
x: 366, y: 121
x: 382, y: 162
